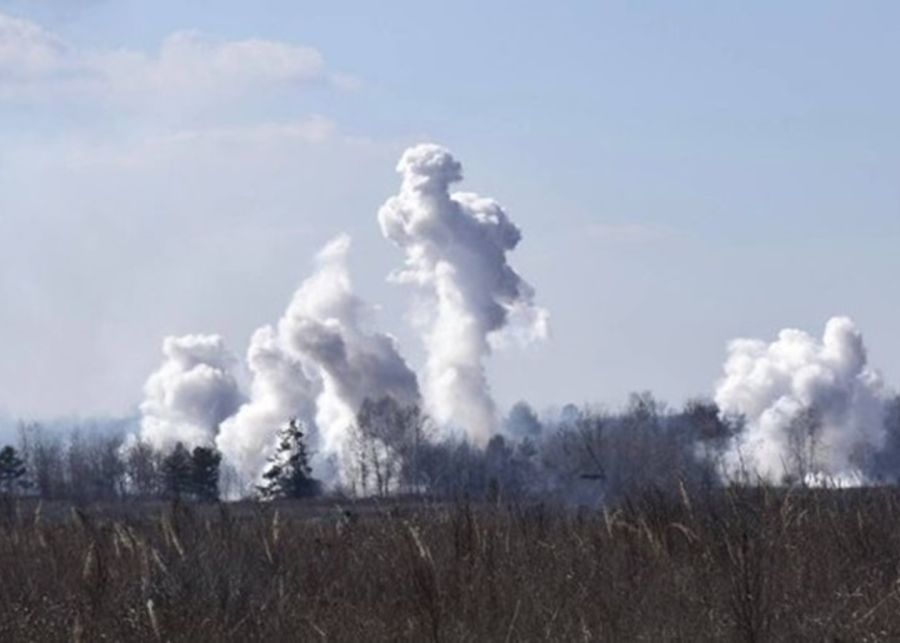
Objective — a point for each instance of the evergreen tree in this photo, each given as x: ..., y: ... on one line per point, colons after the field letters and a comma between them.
x: 178, y: 472
x: 288, y: 474
x: 12, y: 471
x: 205, y: 473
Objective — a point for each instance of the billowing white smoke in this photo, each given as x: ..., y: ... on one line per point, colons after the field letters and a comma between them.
x: 456, y: 247
x: 320, y: 361
x: 317, y: 365
x: 325, y: 327
x: 280, y: 390
x: 811, y: 408
x: 191, y: 394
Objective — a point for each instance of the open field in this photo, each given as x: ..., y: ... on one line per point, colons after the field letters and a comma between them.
x: 740, y: 565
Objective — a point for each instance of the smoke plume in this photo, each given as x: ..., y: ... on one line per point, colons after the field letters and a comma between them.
x: 813, y: 410
x: 191, y: 394
x: 456, y: 246
x: 317, y: 365
x: 280, y: 390
x: 325, y: 326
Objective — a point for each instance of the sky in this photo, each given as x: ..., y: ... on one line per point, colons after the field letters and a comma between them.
x: 683, y: 174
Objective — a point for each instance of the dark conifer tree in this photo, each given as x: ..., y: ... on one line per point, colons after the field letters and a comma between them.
x: 178, y: 472
x: 205, y: 473
x: 12, y: 471
x: 288, y: 474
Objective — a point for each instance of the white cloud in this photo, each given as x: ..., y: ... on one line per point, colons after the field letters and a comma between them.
x: 191, y: 63
x: 28, y: 52
x: 36, y: 64
x: 55, y: 9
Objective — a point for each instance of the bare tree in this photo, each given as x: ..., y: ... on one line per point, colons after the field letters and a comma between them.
x: 143, y: 470
x: 387, y: 443
x: 46, y: 461
x: 804, y: 434
x: 94, y: 466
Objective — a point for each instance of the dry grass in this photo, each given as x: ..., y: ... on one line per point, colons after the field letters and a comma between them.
x: 746, y: 565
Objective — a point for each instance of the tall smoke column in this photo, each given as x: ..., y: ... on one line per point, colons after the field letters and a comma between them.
x: 191, y: 394
x: 456, y: 247
x: 771, y: 385
x: 281, y: 390
x: 317, y: 364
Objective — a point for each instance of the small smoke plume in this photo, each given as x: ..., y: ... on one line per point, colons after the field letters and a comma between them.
x: 456, y: 246
x: 191, y: 394
x: 317, y: 365
x: 813, y: 410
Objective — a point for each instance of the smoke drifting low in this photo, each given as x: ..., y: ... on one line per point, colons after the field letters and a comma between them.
x: 812, y: 408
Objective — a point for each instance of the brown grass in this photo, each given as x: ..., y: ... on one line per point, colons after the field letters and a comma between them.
x: 748, y: 565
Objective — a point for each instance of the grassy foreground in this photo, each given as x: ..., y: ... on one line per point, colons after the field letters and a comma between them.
x: 746, y: 565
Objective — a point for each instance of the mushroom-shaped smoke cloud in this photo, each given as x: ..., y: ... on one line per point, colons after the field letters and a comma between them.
x: 456, y: 247
x: 191, y: 394
x: 812, y: 409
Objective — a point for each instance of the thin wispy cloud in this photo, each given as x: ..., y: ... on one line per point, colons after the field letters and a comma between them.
x: 630, y: 233
x: 57, y: 9
x: 36, y: 64
x: 313, y: 129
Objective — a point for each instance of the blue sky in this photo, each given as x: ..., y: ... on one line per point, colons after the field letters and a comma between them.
x: 683, y: 173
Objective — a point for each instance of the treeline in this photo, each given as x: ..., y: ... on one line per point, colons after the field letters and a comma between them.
x: 86, y: 466
x: 96, y: 466
x: 581, y: 456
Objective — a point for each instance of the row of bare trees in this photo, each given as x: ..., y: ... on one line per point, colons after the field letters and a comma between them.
x: 94, y: 465
x: 82, y: 465
x: 582, y: 454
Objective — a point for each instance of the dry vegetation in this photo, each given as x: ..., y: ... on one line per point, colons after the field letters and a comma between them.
x: 739, y: 565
